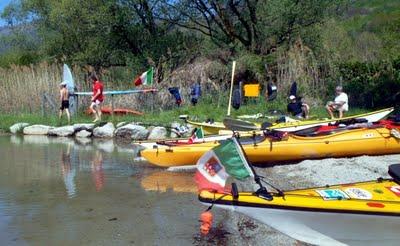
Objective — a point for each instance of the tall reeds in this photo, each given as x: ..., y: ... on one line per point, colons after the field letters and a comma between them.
x: 22, y: 87
x: 300, y: 64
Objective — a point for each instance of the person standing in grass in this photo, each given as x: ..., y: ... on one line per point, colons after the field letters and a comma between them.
x: 97, y: 97
x: 195, y: 92
x: 64, y: 98
x: 341, y: 103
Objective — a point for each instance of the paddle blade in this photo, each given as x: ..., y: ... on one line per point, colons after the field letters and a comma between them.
x: 239, y: 125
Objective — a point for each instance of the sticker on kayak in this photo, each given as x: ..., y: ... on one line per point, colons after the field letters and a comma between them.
x: 395, y: 189
x: 368, y: 135
x: 358, y: 193
x: 332, y: 194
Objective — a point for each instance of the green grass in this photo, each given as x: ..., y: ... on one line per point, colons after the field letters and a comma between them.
x: 205, y: 109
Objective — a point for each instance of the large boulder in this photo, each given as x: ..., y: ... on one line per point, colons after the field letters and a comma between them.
x: 18, y: 127
x: 85, y: 126
x: 64, y: 131
x: 83, y: 134
x: 106, y: 131
x: 37, y: 130
x: 158, y: 132
x: 132, y: 131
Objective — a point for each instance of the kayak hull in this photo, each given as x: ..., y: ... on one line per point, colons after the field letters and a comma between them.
x: 320, y: 228
x: 348, y: 143
x: 368, y: 214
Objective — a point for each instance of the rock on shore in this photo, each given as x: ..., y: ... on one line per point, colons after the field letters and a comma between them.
x: 132, y: 131
x: 106, y: 131
x: 37, y: 130
x: 63, y: 131
x: 85, y: 126
x: 18, y: 127
x: 83, y: 134
x: 124, y: 130
x: 157, y: 133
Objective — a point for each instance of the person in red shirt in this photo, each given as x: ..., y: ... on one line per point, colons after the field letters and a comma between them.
x: 97, y: 97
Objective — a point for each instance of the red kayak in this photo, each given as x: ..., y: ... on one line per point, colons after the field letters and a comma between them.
x: 326, y: 130
x: 118, y: 111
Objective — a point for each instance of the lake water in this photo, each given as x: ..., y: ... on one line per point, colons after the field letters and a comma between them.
x: 58, y: 191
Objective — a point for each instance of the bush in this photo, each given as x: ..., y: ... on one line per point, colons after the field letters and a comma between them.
x: 372, y: 85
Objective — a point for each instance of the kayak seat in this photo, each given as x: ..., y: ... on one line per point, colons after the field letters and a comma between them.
x: 395, y: 118
x: 266, y: 125
x: 351, y: 121
x: 394, y: 172
x: 306, y: 132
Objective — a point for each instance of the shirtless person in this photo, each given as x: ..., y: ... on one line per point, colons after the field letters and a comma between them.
x: 97, y: 97
x: 64, y: 98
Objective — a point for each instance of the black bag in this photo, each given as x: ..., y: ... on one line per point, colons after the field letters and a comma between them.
x: 236, y: 100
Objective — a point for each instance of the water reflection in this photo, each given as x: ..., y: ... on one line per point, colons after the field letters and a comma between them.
x: 67, y: 157
x: 68, y: 172
x: 56, y: 190
x: 164, y: 181
x: 97, y: 170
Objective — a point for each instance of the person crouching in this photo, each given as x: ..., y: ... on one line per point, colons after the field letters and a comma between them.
x: 298, y: 108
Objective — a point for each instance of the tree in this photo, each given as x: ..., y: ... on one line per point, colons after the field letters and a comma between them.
x: 258, y: 26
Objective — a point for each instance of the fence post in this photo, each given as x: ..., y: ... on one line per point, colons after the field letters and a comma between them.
x: 43, y: 105
x: 112, y: 106
x: 152, y: 101
x: 76, y: 103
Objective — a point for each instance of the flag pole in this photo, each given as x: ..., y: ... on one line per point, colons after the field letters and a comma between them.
x: 230, y: 93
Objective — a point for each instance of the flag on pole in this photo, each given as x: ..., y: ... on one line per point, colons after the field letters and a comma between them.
x: 145, y: 79
x: 197, y: 134
x: 216, y: 165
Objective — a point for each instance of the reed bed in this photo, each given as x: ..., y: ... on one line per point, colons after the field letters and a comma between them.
x: 22, y: 87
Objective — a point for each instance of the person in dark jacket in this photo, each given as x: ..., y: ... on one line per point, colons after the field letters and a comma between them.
x: 195, y: 93
x: 297, y: 108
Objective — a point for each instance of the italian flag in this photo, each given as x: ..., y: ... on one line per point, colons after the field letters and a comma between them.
x: 197, y: 134
x: 145, y: 79
x: 216, y: 165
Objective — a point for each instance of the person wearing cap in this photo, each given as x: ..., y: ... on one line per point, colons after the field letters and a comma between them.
x: 340, y: 104
x: 64, y: 98
x: 297, y: 108
x: 97, y: 97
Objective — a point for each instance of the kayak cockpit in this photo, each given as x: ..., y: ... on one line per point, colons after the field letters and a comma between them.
x: 394, y: 172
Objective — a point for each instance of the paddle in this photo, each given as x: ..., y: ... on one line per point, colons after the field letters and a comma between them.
x: 241, y: 125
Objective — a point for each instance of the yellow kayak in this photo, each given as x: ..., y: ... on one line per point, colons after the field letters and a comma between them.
x: 295, y: 125
x: 365, y: 213
x: 269, y: 150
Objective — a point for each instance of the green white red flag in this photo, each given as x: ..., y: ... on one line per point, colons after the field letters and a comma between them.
x: 216, y: 165
x: 197, y: 134
x: 145, y: 79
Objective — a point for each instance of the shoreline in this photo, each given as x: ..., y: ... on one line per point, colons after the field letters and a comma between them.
x: 129, y: 131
